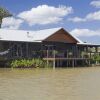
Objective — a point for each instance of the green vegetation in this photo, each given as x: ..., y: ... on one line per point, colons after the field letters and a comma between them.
x: 26, y: 63
x: 96, y: 59
x: 3, y: 13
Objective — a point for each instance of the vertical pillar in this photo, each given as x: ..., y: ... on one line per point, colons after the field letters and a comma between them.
x: 60, y: 63
x: 96, y: 54
x: 67, y: 63
x: 96, y: 49
x: 79, y: 56
x: 83, y: 62
x: 27, y: 50
x: 73, y: 65
x: 21, y: 50
x: 67, y: 54
x: 90, y: 55
x: 41, y: 51
x: 76, y: 51
x: 57, y: 63
x: 89, y: 62
x: 54, y: 62
x: 47, y: 57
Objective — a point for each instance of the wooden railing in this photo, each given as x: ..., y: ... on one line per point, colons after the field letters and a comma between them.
x: 53, y: 54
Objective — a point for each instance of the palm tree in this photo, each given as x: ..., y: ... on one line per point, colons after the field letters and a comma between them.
x: 4, y: 13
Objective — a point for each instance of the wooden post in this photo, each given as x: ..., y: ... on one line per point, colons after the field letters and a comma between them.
x: 76, y: 51
x: 17, y: 54
x: 27, y: 50
x: 96, y: 49
x: 57, y: 63
x: 54, y: 62
x: 73, y: 65
x: 41, y: 51
x: 90, y: 55
x: 79, y: 54
x: 67, y: 53
x: 21, y: 50
x: 67, y: 63
x: 47, y: 57
x: 89, y: 62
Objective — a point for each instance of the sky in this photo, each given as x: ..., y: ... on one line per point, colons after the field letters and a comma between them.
x: 79, y: 17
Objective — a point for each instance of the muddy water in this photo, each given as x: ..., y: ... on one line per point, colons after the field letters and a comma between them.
x: 49, y: 84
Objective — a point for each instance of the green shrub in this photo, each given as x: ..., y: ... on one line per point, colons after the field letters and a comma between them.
x: 26, y: 63
x: 95, y: 58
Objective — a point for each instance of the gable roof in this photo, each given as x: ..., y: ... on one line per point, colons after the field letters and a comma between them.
x: 77, y: 39
x: 30, y: 36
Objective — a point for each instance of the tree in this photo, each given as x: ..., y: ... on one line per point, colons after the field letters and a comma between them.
x: 4, y: 13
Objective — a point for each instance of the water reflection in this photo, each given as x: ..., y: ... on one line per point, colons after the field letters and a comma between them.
x: 48, y: 84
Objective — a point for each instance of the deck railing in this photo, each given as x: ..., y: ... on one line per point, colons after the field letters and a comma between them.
x: 65, y: 54
x: 52, y: 54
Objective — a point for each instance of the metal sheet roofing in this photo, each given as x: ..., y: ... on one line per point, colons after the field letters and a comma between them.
x: 29, y: 36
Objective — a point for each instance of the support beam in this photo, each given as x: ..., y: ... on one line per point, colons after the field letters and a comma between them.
x: 67, y: 63
x: 73, y: 64
x: 54, y: 62
x: 27, y: 50
x: 90, y: 55
x: 89, y: 62
x: 47, y: 57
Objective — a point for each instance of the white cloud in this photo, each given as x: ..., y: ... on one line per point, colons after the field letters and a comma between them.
x: 45, y: 14
x: 11, y: 23
x: 95, y: 16
x: 95, y: 3
x: 77, y: 19
x: 85, y: 32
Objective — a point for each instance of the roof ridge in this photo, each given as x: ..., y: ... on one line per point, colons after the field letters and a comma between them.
x: 30, y: 30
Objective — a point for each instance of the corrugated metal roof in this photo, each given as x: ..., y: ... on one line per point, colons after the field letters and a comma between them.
x: 88, y: 44
x: 29, y: 36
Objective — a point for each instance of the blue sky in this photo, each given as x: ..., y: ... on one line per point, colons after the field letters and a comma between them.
x: 80, y: 17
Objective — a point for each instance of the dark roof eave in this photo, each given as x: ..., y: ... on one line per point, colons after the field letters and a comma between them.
x: 91, y: 45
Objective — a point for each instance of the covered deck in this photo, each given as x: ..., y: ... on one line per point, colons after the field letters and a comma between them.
x: 68, y: 55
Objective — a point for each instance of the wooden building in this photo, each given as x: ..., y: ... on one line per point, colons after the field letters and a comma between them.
x: 55, y: 46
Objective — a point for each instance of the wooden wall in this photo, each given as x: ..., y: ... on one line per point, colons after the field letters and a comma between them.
x: 61, y: 36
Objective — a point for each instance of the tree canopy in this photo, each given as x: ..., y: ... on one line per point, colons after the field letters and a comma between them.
x: 4, y: 13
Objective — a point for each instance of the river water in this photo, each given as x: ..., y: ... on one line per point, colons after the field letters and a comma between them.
x: 50, y: 84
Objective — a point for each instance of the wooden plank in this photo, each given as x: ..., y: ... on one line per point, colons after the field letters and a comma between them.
x: 65, y: 58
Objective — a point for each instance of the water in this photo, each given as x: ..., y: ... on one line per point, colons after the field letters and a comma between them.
x: 49, y: 84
